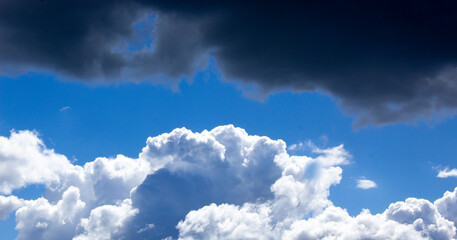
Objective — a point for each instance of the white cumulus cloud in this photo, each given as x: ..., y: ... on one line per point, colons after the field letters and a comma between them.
x: 447, y: 205
x: 446, y: 172
x: 8, y: 204
x: 217, y: 184
x: 24, y: 160
x: 41, y: 219
x: 366, y: 184
x: 106, y: 220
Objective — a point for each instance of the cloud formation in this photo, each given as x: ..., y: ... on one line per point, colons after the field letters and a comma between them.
x: 218, y: 184
x: 63, y: 109
x: 447, y: 205
x: 106, y: 220
x: 25, y: 160
x: 385, y: 61
x: 7, y: 205
x: 366, y: 184
x: 446, y: 172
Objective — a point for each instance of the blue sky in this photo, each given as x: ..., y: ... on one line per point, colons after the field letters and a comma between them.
x: 83, y: 122
x: 228, y: 120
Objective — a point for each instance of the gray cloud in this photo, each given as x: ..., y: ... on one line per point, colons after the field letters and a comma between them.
x: 386, y: 61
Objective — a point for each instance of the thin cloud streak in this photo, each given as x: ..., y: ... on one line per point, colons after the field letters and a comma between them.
x: 66, y: 108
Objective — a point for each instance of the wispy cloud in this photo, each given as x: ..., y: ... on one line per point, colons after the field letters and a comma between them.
x: 446, y: 172
x: 324, y: 139
x: 146, y: 228
x: 296, y: 146
x: 66, y: 108
x: 308, y: 144
x: 364, y: 183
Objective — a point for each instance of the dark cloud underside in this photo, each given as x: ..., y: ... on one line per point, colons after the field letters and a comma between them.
x: 386, y: 61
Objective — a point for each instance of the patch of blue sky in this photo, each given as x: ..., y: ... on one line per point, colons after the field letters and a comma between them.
x: 142, y: 37
x: 7, y: 226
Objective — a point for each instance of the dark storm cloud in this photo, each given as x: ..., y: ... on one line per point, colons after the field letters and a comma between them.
x: 74, y: 38
x: 386, y: 61
x: 93, y: 40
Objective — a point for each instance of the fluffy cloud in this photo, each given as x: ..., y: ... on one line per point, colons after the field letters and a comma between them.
x: 112, y: 179
x: 227, y: 222
x: 301, y: 190
x: 412, y: 219
x: 8, y: 204
x: 40, y: 219
x: 24, y: 160
x: 366, y: 184
x: 424, y: 216
x: 447, y: 205
x: 218, y: 184
x: 446, y: 172
x: 106, y: 220
x: 224, y: 165
x: 335, y: 223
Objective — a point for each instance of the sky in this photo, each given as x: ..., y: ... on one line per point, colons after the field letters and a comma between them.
x: 262, y: 120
